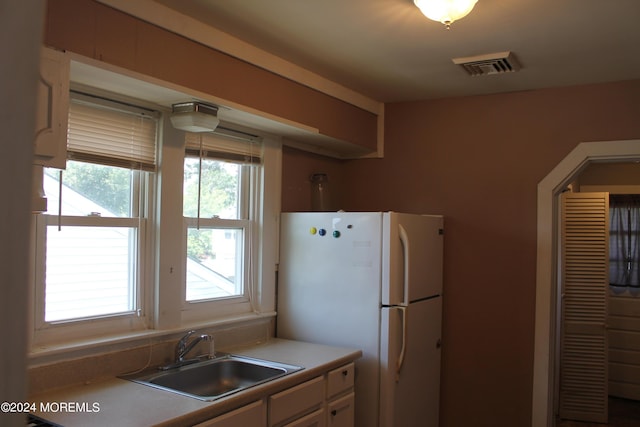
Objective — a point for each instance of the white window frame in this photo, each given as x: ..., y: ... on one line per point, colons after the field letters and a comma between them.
x: 250, y: 208
x: 73, y: 329
x: 47, y: 333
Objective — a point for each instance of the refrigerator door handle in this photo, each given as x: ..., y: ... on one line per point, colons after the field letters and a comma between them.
x: 403, y: 348
x: 404, y: 240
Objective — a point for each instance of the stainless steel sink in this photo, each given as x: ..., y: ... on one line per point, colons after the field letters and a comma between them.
x: 215, y: 378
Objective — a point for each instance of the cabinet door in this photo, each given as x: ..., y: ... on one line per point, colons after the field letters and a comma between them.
x: 50, y: 146
x: 296, y: 401
x: 253, y: 414
x: 340, y: 412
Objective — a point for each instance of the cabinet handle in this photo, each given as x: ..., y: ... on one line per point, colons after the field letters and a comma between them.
x: 345, y: 373
x: 344, y: 406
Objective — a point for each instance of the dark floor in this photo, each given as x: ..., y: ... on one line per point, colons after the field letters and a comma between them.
x: 622, y: 413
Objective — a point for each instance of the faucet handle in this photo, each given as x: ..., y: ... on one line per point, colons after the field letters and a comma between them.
x: 183, y: 341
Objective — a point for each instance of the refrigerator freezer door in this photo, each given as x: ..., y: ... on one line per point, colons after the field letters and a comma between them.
x: 410, y: 390
x: 412, y: 257
x: 329, y: 290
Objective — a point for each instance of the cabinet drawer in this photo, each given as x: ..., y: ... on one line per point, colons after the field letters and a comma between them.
x: 253, y: 414
x: 314, y: 419
x: 296, y: 400
x: 340, y: 379
x: 341, y: 412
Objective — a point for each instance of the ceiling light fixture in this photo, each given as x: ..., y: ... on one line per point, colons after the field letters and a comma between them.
x: 445, y: 11
x: 194, y: 117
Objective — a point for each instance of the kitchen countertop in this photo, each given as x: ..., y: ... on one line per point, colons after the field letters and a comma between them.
x: 115, y: 401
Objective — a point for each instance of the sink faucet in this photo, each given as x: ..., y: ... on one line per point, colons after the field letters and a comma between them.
x: 184, y: 346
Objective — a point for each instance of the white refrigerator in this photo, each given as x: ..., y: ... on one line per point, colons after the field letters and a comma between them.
x: 372, y: 281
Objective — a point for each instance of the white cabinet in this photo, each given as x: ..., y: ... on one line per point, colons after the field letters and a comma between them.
x: 50, y: 145
x: 253, y: 414
x: 314, y: 419
x: 296, y: 401
x: 324, y: 401
x: 340, y: 380
x: 340, y: 397
x: 333, y: 393
x: 341, y: 411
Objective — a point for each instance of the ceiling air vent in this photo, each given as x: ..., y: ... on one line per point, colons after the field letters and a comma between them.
x: 492, y: 63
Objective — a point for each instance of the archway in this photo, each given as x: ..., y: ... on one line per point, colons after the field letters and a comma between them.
x: 544, y: 369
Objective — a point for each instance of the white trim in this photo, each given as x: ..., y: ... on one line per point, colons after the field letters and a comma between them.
x: 544, y: 370
x: 264, y: 300
x: 193, y: 29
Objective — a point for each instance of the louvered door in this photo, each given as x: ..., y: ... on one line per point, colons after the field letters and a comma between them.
x: 585, y: 266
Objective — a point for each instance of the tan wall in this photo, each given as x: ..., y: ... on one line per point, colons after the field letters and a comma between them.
x: 611, y: 174
x: 478, y: 161
x: 296, y: 183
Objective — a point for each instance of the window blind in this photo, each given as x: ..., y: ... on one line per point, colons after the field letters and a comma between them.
x: 104, y: 135
x: 216, y: 147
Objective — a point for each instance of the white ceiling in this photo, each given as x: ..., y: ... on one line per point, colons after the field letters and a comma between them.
x: 388, y: 51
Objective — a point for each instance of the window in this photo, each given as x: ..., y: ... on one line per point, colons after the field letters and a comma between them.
x: 91, y: 249
x: 221, y: 179
x: 624, y: 241
x: 91, y: 258
x: 132, y: 246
